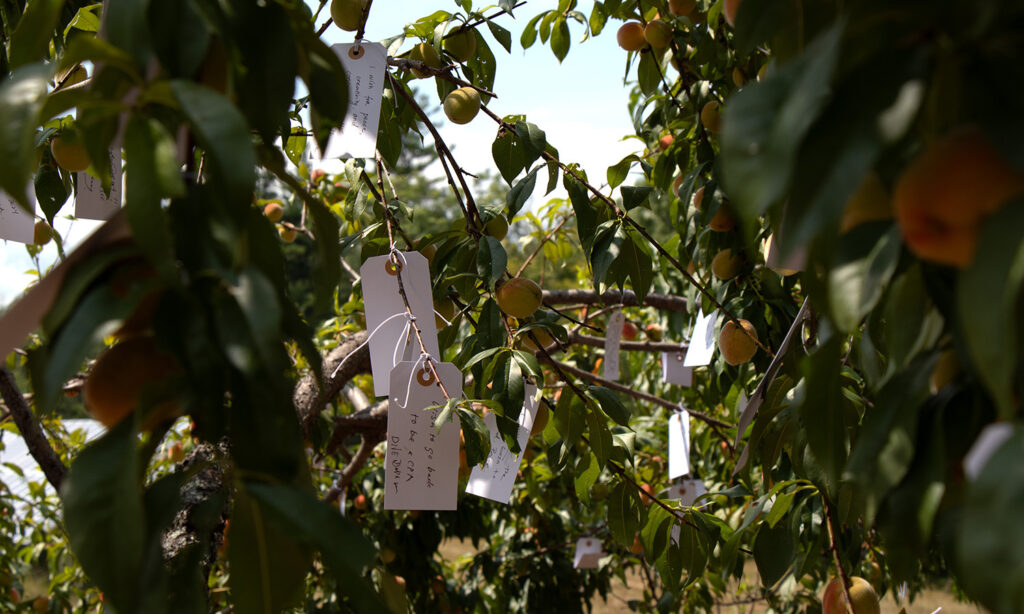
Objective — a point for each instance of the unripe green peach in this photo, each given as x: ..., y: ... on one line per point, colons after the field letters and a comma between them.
x: 461, y: 46
x: 347, y: 13
x: 426, y: 53
x: 462, y: 105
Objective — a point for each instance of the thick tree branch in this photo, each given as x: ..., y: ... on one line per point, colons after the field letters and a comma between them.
x: 344, y: 362
x: 31, y: 431
x: 631, y: 346
x: 353, y: 467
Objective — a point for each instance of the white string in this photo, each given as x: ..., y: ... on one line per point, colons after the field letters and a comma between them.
x: 424, y: 357
x: 368, y: 338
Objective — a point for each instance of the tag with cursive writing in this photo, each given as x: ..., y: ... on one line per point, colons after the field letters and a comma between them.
x: 496, y: 478
x: 16, y: 224
x: 365, y: 64
x: 421, y: 465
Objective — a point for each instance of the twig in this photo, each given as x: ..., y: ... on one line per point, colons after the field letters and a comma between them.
x: 444, y: 73
x: 632, y: 346
x: 540, y: 246
x: 834, y: 547
x: 650, y: 398
x: 31, y: 431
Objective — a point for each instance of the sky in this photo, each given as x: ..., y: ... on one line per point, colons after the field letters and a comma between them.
x: 581, y: 104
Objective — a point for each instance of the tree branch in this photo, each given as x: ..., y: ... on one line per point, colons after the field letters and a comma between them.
x: 31, y: 431
x: 628, y: 298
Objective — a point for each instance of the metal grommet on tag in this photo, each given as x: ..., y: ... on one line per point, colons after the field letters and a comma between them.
x: 392, y: 267
x: 424, y: 377
x: 356, y: 51
x: 679, y: 357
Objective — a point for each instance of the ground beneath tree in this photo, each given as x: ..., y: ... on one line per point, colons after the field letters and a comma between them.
x: 622, y: 594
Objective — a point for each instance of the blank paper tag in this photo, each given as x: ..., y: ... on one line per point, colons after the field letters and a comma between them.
x: 16, y: 224
x: 702, y: 341
x: 92, y: 203
x: 673, y: 371
x: 992, y: 438
x: 687, y: 492
x: 612, y: 339
x: 365, y: 64
x: 393, y: 340
x: 678, y: 444
x: 421, y: 465
x: 588, y: 553
x: 497, y: 477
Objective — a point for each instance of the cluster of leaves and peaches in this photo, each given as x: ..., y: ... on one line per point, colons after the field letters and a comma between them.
x: 853, y: 460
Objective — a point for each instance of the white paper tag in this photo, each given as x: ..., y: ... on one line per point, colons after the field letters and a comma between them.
x: 421, y: 465
x: 673, y: 371
x: 702, y: 341
x: 392, y: 338
x: 991, y: 438
x: 612, y: 339
x: 92, y: 203
x: 687, y: 492
x: 588, y: 553
x: 16, y: 224
x: 678, y: 444
x: 497, y: 477
x: 365, y: 64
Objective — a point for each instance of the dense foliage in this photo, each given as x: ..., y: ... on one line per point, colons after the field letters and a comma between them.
x: 877, y: 144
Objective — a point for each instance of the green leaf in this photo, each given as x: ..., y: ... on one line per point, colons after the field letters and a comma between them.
x: 328, y: 88
x: 623, y: 513
x: 316, y: 524
x: 560, y: 38
x: 295, y: 146
x: 126, y: 27
x: 30, y: 40
x: 180, y: 37
x: 655, y: 534
x: 693, y: 551
x: 648, y: 74
x: 263, y: 33
x: 617, y: 172
x: 989, y: 305
x: 154, y: 175
x: 51, y: 192
x: 884, y: 448
x: 989, y: 533
x: 763, y: 125
x: 610, y: 404
x: 491, y: 259
x: 821, y: 409
x: 636, y: 257
x: 533, y: 141
x: 225, y: 137
x: 570, y: 419
x: 478, y: 439
x: 268, y: 565
x: 503, y: 36
x: 600, y: 438
x: 858, y: 280
x: 757, y: 21
x: 586, y: 214
x: 103, y: 514
x: 520, y: 193
x: 508, y: 156
x: 774, y: 551
x: 98, y: 51
x: 635, y: 196
x: 21, y: 98
x: 587, y: 470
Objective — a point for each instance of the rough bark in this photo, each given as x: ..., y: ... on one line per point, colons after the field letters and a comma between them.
x: 31, y: 431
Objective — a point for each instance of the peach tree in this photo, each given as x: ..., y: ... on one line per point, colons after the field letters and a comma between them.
x: 838, y: 182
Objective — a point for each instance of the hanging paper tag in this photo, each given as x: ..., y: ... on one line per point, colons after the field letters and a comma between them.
x: 673, y: 371
x: 992, y: 438
x: 588, y: 553
x: 702, y: 341
x: 91, y: 202
x: 421, y: 465
x: 497, y: 477
x: 391, y: 337
x: 687, y: 492
x: 612, y: 339
x: 678, y: 444
x: 16, y: 224
x: 365, y: 65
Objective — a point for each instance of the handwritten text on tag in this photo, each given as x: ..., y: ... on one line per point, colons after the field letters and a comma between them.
x: 421, y: 466
x: 16, y: 224
x: 365, y: 64
x: 497, y: 477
